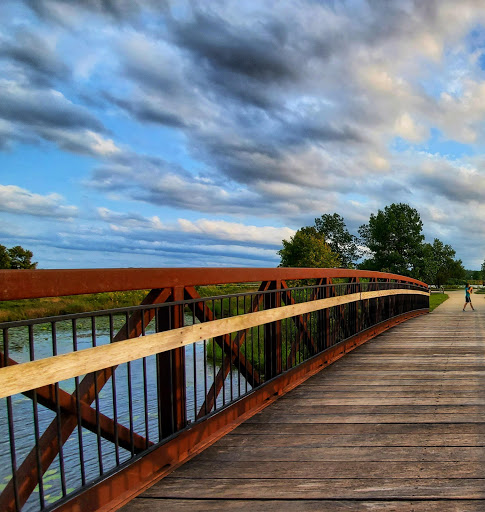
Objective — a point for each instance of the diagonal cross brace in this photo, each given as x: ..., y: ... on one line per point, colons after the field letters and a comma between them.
x: 231, y: 350
x: 301, y: 325
x: 49, y: 443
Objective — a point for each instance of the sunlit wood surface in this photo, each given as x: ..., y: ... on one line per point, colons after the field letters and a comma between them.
x: 397, y: 425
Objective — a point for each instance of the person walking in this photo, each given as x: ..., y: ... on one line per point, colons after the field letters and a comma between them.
x: 468, y: 299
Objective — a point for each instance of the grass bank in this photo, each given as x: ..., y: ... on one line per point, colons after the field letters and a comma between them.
x: 53, y: 306
x: 435, y: 299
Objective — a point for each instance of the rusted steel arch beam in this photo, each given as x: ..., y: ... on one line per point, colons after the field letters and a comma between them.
x: 28, y: 284
x: 234, y: 356
x: 49, y: 444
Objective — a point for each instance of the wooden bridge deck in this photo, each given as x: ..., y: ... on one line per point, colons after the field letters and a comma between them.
x: 397, y: 425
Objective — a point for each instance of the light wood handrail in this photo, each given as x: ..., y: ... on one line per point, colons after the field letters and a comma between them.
x: 42, y: 372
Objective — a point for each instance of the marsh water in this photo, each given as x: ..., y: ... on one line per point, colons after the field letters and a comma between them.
x: 136, y: 379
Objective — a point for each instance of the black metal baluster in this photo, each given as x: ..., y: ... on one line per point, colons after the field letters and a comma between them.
x: 96, y: 399
x: 238, y: 359
x: 114, y: 396
x: 11, y: 432
x: 145, y: 386
x: 230, y: 352
x: 205, y: 360
x: 130, y: 409
x: 58, y: 413
x: 36, y: 424
x: 222, y: 362
x: 214, y: 360
x: 159, y: 391
x: 195, y: 366
x: 78, y: 410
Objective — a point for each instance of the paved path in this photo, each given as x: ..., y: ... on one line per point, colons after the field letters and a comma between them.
x: 397, y: 425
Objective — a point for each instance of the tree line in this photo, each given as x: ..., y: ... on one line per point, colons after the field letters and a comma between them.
x: 392, y: 241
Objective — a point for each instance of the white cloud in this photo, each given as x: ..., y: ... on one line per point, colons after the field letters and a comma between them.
x: 17, y: 200
x: 230, y: 232
x: 378, y: 162
x: 236, y: 231
x: 407, y: 128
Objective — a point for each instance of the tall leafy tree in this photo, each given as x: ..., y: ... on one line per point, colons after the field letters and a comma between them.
x: 307, y: 248
x: 21, y: 258
x: 394, y: 238
x: 342, y: 243
x: 16, y: 258
x: 439, y: 264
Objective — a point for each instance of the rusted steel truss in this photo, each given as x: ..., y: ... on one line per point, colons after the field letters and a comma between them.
x: 50, y: 444
x: 125, y: 485
x: 231, y: 349
x: 76, y: 408
x: 301, y: 323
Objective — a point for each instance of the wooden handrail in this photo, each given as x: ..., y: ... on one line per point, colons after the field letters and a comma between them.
x: 42, y: 372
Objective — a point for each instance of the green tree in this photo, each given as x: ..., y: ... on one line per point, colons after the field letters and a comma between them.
x: 307, y: 248
x: 342, y: 243
x: 439, y: 264
x: 473, y: 275
x: 394, y: 238
x: 21, y: 258
x: 16, y: 258
x: 4, y: 257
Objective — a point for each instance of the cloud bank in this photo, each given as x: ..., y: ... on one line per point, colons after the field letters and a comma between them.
x: 232, y: 124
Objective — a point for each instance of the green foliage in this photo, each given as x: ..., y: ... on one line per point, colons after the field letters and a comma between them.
x: 394, y: 238
x: 4, y: 257
x: 21, y: 258
x: 438, y: 265
x: 16, y: 258
x: 307, y: 248
x: 338, y: 238
x: 482, y: 271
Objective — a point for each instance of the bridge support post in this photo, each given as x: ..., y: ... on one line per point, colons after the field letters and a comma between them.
x: 171, y: 371
x: 272, y: 334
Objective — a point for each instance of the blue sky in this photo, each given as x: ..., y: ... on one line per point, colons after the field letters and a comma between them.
x: 158, y: 133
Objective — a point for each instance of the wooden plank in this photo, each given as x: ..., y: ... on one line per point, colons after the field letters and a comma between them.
x: 377, y: 418
x: 312, y: 488
x: 265, y: 505
x: 390, y: 400
x: 311, y: 441
x: 370, y: 410
x: 333, y: 469
x: 383, y: 454
x: 405, y: 429
x: 34, y: 374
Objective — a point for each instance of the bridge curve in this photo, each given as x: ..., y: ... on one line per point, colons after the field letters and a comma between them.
x: 97, y: 406
x: 398, y: 424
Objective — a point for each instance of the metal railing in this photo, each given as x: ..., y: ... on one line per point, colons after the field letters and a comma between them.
x: 61, y: 438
